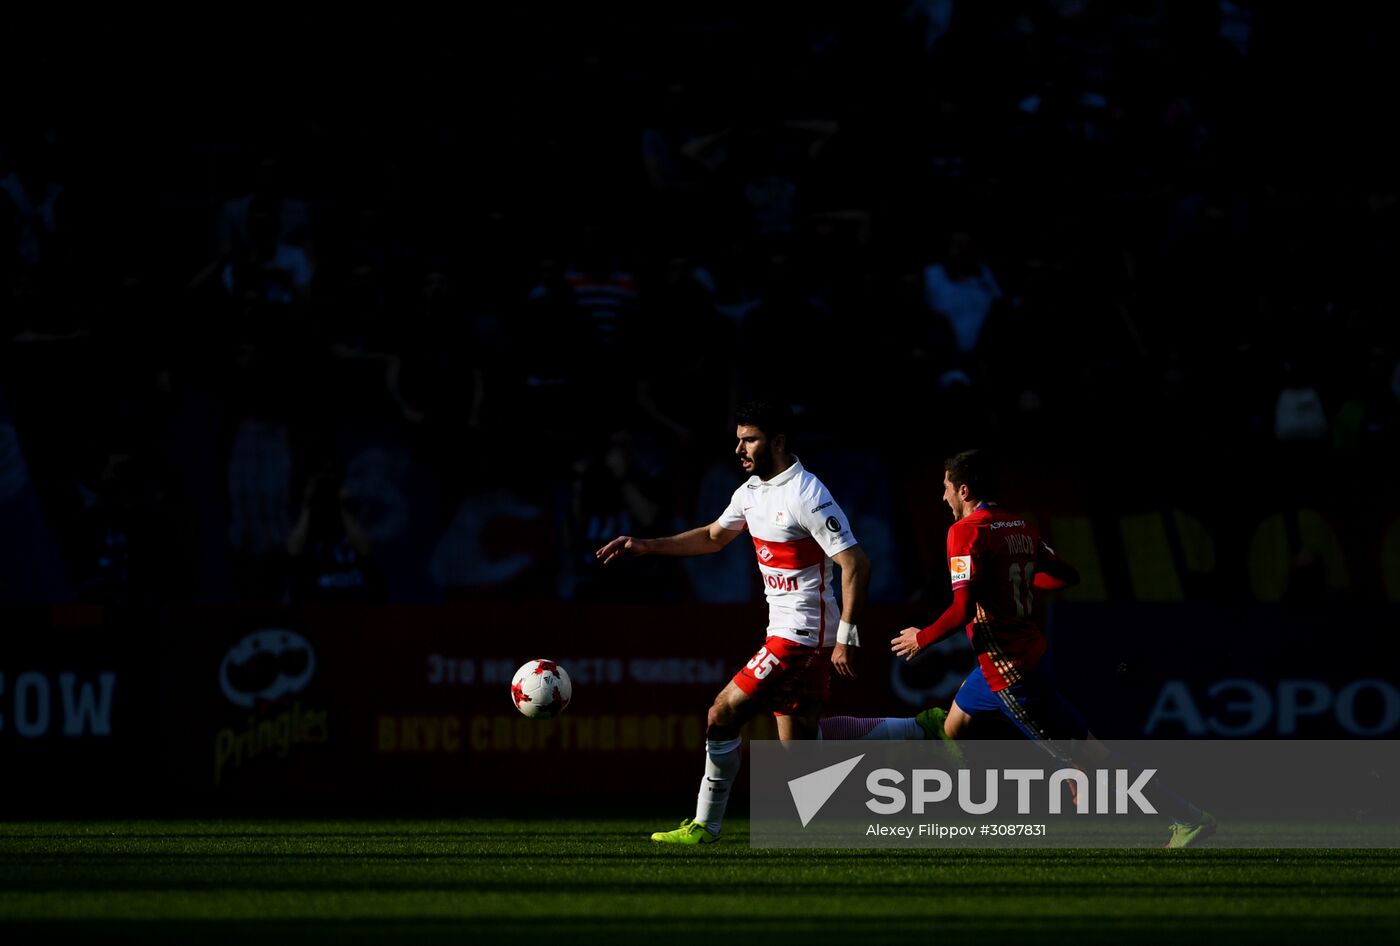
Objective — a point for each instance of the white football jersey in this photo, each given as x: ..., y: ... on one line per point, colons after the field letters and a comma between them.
x: 796, y: 527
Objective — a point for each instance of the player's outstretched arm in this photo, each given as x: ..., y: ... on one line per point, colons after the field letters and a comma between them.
x: 701, y: 541
x: 911, y: 640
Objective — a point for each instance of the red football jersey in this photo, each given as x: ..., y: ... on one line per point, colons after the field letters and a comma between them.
x: 997, y: 553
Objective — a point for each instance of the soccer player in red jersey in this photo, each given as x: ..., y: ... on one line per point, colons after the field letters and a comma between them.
x: 995, y: 560
x: 798, y: 532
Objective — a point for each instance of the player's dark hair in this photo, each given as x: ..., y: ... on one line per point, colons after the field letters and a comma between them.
x: 975, y: 469
x: 771, y: 417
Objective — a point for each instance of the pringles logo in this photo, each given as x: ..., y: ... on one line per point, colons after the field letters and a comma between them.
x: 262, y: 674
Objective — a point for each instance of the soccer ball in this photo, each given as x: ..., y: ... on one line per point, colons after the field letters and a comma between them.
x: 541, y: 689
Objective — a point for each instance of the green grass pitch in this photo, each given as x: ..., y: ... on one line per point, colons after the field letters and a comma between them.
x: 489, y: 880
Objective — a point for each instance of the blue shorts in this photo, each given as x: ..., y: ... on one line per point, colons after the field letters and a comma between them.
x: 1033, y: 705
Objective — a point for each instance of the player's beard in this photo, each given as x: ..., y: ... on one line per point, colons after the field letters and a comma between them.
x: 763, y: 463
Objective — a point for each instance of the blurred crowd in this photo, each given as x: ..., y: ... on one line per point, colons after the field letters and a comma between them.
x: 301, y: 311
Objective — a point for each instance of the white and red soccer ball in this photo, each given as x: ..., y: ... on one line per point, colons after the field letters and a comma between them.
x: 541, y: 689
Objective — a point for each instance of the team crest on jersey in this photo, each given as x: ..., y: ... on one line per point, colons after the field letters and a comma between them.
x: 960, y: 567
x: 780, y: 518
x: 765, y: 553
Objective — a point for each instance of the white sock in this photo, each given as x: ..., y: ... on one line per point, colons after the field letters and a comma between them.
x: 722, y: 759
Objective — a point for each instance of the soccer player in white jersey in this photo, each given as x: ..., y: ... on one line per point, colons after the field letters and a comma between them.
x: 798, y: 531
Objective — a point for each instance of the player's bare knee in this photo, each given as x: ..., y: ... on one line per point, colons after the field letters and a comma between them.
x: 726, y: 717
x: 720, y: 717
x: 957, y: 722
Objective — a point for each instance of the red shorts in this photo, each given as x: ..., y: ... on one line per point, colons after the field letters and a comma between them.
x: 786, y: 676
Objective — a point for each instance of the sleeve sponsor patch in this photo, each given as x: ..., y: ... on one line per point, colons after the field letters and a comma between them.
x: 960, y: 567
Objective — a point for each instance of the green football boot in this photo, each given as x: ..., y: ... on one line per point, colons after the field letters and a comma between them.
x: 931, y: 721
x: 690, y: 832
x: 1190, y: 835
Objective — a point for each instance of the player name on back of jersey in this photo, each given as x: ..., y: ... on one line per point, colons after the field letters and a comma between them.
x: 1020, y: 544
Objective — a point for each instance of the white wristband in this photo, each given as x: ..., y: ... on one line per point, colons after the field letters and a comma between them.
x: 847, y: 634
